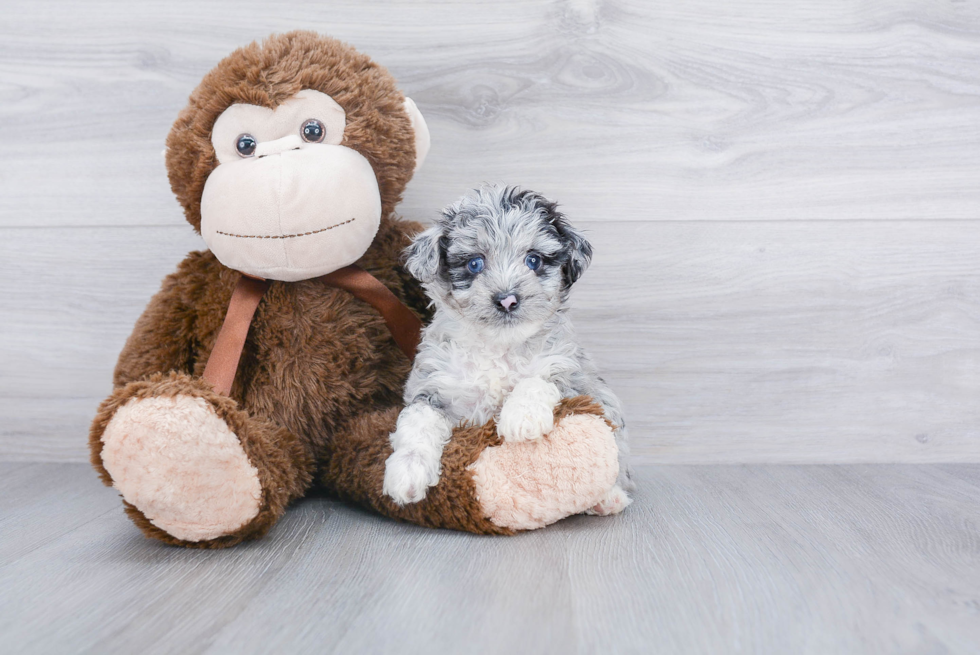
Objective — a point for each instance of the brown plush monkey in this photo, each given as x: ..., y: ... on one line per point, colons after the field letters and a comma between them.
x: 289, y: 159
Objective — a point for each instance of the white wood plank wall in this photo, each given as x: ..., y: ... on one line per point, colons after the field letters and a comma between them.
x: 784, y: 198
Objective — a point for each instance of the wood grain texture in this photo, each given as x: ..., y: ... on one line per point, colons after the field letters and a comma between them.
x: 728, y: 341
x: 783, y: 197
x: 709, y: 559
x: 626, y: 110
x: 790, y: 342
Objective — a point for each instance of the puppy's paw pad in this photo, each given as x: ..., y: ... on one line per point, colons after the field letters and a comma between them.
x: 613, y: 503
x: 407, y: 478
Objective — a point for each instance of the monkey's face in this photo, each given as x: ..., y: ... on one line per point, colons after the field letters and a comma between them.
x: 287, y: 201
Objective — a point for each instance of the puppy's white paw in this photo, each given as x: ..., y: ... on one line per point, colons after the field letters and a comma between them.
x: 613, y: 503
x: 415, y: 464
x: 528, y: 412
x: 408, y: 476
x: 525, y: 421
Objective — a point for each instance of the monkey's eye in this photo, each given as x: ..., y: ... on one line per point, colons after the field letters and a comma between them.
x: 533, y: 261
x: 313, y: 131
x: 475, y: 265
x: 245, y: 145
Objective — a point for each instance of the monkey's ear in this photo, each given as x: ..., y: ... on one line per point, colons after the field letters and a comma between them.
x: 579, y: 249
x: 424, y: 257
x: 421, y: 132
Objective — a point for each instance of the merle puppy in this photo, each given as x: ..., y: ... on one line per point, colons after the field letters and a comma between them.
x: 498, y: 268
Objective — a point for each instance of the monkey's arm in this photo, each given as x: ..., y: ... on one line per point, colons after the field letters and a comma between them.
x: 384, y: 260
x: 162, y: 339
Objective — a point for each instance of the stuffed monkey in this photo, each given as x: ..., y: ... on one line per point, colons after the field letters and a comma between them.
x: 275, y: 360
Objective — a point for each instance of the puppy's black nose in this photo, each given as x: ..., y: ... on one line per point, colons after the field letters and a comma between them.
x: 507, y: 301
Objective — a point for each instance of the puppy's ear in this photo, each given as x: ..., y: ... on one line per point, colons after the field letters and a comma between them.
x: 424, y: 257
x: 578, y: 251
x: 578, y: 248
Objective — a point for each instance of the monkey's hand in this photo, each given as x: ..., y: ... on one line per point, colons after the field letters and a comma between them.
x: 528, y: 412
x: 414, y: 466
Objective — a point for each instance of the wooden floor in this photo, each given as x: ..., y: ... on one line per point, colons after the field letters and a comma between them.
x: 785, y: 208
x: 709, y: 559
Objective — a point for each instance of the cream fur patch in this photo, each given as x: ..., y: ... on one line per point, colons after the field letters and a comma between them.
x: 287, y: 119
x: 292, y: 215
x: 516, y: 491
x: 422, y: 139
x: 180, y: 464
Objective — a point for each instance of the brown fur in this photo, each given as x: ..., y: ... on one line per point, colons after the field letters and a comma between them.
x: 269, y: 73
x: 320, y: 380
x: 283, y: 465
x: 356, y: 470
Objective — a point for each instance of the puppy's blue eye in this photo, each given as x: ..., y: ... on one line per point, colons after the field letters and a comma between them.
x: 533, y: 261
x: 475, y: 265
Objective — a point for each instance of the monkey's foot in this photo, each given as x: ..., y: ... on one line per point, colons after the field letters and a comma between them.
x: 191, y: 467
x: 179, y: 464
x: 530, y: 484
x: 613, y: 502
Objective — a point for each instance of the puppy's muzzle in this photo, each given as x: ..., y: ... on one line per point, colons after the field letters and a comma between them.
x: 507, y: 302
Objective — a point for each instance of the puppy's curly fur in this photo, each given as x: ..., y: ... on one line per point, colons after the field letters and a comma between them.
x: 498, y: 268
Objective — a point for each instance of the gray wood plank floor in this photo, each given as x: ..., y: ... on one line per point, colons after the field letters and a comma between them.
x: 709, y: 559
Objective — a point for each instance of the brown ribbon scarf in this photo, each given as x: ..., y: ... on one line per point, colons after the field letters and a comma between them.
x: 222, y: 365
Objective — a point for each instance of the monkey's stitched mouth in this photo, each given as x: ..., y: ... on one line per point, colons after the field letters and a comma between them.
x: 283, y: 236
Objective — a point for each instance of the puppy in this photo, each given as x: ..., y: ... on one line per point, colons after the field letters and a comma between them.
x: 498, y: 268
